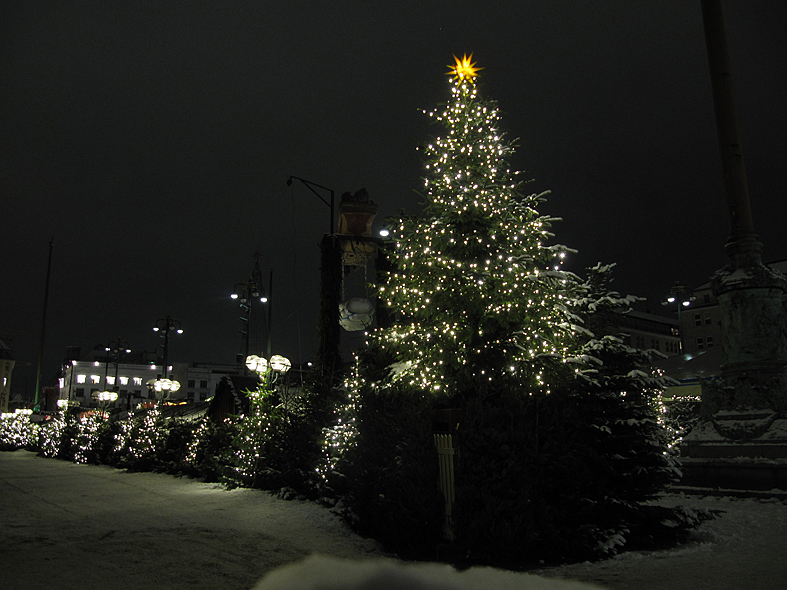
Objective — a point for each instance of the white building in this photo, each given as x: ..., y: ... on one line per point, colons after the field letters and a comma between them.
x: 81, y: 379
x: 6, y: 368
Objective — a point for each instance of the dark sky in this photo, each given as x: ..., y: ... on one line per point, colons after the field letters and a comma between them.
x: 154, y: 139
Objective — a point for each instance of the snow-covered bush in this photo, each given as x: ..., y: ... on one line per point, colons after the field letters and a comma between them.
x: 17, y: 432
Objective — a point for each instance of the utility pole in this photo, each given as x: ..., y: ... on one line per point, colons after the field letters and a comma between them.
x: 43, y: 325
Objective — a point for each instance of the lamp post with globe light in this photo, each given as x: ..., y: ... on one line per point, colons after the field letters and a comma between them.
x: 163, y: 388
x: 680, y: 296
x: 278, y: 365
x: 115, y: 350
x: 104, y: 398
x: 259, y: 401
x: 165, y: 326
x: 246, y: 293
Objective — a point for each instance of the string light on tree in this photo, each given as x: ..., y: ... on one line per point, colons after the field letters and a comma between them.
x: 476, y: 278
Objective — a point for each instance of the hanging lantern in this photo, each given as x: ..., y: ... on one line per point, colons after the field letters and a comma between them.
x: 356, y: 314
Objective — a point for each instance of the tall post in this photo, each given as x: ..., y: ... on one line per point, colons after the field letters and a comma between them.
x: 743, y: 244
x: 166, y: 347
x: 166, y: 324
x: 329, y: 331
x: 270, y: 316
x: 43, y: 323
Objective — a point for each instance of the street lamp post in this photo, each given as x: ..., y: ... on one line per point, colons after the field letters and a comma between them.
x: 681, y: 296
x: 115, y: 350
x: 163, y: 388
x: 311, y: 186
x: 268, y: 371
x: 165, y: 325
x: 104, y: 398
x: 245, y: 294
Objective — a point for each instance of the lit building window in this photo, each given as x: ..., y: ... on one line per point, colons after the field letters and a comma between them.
x: 81, y: 378
x: 110, y: 380
x: 95, y: 379
x: 124, y: 380
x: 137, y: 380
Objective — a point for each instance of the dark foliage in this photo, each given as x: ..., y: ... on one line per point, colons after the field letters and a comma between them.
x: 214, y: 452
x: 171, y: 455
x: 391, y: 474
x: 559, y: 478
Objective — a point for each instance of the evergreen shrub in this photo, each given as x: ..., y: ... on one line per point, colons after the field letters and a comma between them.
x: 391, y: 472
x: 559, y: 478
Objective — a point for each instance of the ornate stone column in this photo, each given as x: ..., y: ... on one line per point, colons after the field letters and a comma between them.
x: 744, y: 411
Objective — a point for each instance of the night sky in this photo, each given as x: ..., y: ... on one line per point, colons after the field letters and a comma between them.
x: 153, y: 140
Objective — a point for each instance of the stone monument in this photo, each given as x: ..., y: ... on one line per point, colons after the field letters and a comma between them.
x: 744, y: 410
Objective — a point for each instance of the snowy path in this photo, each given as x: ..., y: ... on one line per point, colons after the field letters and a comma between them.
x: 745, y: 548
x: 67, y: 526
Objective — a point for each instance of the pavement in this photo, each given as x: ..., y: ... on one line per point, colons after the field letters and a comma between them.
x: 68, y: 526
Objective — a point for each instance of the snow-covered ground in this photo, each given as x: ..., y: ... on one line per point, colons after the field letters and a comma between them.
x: 744, y: 547
x: 67, y: 526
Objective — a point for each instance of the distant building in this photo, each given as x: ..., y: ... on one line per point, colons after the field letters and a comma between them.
x: 80, y: 379
x: 703, y: 355
x: 647, y: 331
x: 701, y: 320
x: 6, y: 368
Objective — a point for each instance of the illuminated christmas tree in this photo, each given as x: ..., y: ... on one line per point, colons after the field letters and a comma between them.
x: 558, y: 446
x: 481, y: 300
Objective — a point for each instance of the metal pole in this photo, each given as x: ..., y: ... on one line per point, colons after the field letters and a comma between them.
x: 270, y: 315
x: 246, y: 335
x: 166, y: 345
x: 70, y: 377
x: 43, y: 323
x: 310, y: 185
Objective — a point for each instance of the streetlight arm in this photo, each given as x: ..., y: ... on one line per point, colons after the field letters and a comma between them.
x: 310, y: 185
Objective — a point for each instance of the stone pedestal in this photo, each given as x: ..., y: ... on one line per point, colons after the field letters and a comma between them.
x: 744, y: 410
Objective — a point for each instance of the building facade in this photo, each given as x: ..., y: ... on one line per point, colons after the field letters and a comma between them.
x: 700, y: 321
x: 81, y: 380
x: 6, y: 368
x: 647, y: 331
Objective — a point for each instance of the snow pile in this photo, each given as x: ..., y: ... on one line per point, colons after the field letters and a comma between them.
x: 319, y: 572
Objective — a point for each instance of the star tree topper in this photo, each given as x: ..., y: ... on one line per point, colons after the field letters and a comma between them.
x: 464, y: 69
